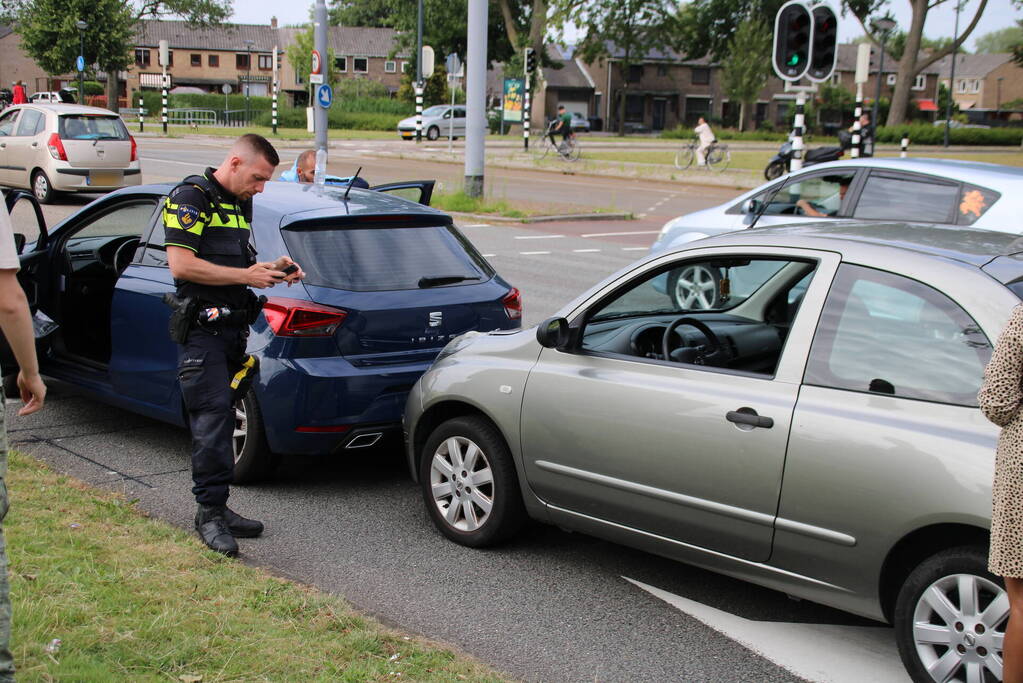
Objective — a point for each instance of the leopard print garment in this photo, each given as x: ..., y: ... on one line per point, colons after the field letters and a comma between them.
x: 1000, y: 399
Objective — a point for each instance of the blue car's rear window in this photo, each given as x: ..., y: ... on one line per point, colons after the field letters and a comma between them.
x: 369, y: 259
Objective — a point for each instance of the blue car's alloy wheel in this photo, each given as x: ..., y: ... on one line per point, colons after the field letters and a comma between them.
x: 253, y: 459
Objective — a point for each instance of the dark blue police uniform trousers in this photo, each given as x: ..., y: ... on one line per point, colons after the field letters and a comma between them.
x: 208, y: 361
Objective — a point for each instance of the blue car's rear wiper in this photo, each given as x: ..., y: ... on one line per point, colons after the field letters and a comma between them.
x: 425, y: 282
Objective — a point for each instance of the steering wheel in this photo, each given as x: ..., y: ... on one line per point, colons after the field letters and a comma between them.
x: 122, y: 253
x: 697, y: 355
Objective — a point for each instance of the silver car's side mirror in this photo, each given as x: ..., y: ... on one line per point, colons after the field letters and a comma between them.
x: 752, y: 206
x: 553, y: 333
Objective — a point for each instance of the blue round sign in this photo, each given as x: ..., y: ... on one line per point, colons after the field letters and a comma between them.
x: 325, y: 96
x: 80, y: 63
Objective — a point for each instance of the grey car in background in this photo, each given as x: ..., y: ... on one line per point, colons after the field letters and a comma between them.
x: 816, y: 431
x: 438, y: 121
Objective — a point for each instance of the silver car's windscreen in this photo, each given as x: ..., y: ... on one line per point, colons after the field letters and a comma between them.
x: 91, y: 127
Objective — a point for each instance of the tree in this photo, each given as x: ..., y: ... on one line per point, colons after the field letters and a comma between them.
x: 912, y: 62
x: 300, y: 56
x: 626, y: 30
x: 896, y: 46
x: 706, y: 27
x: 748, y: 64
x: 999, y: 41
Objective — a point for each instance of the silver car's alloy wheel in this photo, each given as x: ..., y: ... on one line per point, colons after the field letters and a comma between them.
x: 462, y: 483
x: 958, y: 627
x: 41, y: 187
x: 696, y: 288
x: 241, y: 428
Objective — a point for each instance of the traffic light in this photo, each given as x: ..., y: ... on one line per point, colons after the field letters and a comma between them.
x: 530, y: 60
x: 823, y: 50
x: 793, y: 27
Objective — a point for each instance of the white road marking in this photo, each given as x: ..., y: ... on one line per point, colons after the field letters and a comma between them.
x: 635, y: 248
x: 538, y: 237
x: 533, y: 253
x: 585, y: 251
x: 619, y: 234
x: 818, y: 652
x: 168, y: 161
x: 489, y: 255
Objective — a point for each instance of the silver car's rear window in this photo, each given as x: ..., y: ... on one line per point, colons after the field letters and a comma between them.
x: 91, y: 127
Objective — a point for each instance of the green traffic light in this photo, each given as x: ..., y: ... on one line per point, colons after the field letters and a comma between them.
x: 793, y: 60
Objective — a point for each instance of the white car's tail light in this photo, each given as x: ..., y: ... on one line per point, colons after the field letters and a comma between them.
x: 56, y: 148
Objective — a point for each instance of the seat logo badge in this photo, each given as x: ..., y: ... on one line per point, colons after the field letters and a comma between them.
x: 436, y: 317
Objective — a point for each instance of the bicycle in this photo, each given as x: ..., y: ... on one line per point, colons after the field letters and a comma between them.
x: 568, y: 149
x: 718, y: 156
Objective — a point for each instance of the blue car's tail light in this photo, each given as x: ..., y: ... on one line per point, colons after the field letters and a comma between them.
x: 298, y: 318
x: 513, y: 304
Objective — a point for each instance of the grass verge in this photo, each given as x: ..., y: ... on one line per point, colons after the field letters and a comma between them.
x: 463, y: 203
x: 135, y: 599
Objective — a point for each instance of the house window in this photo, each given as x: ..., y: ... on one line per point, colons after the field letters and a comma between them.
x: 213, y: 60
x: 961, y: 86
x: 975, y: 86
x: 241, y: 61
x: 634, y: 108
x: 404, y: 67
x: 836, y: 79
x: 142, y: 57
x: 701, y: 76
x: 662, y: 69
x: 360, y: 65
x: 341, y: 64
x: 265, y: 62
x: 196, y: 60
x: 170, y: 57
x: 890, y: 80
x: 390, y: 67
x: 635, y: 74
x: 920, y: 83
x: 299, y: 77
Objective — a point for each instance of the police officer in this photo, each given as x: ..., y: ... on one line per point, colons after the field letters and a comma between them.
x: 206, y: 221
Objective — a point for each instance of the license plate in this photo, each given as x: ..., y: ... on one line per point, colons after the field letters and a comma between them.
x: 103, y: 178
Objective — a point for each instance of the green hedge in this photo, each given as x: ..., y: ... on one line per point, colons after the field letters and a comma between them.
x: 685, y: 132
x: 294, y: 117
x: 928, y: 134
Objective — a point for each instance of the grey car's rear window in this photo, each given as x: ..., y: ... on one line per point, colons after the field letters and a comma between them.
x: 91, y: 127
x: 369, y: 259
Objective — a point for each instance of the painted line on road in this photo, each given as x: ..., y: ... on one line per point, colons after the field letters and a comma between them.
x: 169, y: 161
x: 585, y: 251
x: 533, y: 253
x: 489, y: 255
x: 635, y: 248
x: 538, y: 237
x: 620, y: 234
x: 818, y: 652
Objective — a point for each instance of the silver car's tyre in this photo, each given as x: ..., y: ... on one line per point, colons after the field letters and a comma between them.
x: 253, y: 459
x: 695, y: 288
x: 950, y: 619
x: 469, y: 483
x: 42, y: 188
x: 432, y: 133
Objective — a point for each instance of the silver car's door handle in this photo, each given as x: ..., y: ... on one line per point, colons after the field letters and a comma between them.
x: 747, y: 416
x: 35, y: 144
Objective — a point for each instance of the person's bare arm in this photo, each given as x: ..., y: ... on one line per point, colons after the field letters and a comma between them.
x: 16, y: 323
x: 186, y: 265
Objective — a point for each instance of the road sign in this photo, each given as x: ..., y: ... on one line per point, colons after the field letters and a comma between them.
x: 453, y: 65
x: 226, y: 88
x: 316, y: 79
x: 324, y: 96
x: 80, y: 63
x: 164, y: 53
x: 862, y: 62
x: 428, y: 61
x: 317, y: 62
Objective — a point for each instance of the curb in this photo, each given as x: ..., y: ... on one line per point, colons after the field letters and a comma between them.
x: 544, y: 219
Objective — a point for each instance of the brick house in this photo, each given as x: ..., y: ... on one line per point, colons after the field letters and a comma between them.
x: 983, y: 83
x: 923, y: 92
x: 15, y: 65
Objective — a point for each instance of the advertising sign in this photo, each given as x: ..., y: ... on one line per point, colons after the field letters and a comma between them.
x: 514, y: 94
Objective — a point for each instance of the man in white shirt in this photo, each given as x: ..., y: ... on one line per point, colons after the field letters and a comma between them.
x: 706, y: 136
x: 16, y: 323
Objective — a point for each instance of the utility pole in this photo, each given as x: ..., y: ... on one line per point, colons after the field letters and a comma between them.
x: 952, y: 80
x: 418, y: 86
x: 862, y: 74
x: 164, y: 58
x: 320, y: 113
x: 476, y: 98
x: 274, y: 104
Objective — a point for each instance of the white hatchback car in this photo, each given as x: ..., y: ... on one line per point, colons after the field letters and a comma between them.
x: 51, y: 148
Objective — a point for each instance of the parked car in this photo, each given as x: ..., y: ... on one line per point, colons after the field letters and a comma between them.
x: 389, y: 283
x: 817, y: 432
x: 959, y: 124
x: 52, y: 148
x: 579, y: 123
x: 437, y: 122
x: 53, y: 97
x: 876, y: 189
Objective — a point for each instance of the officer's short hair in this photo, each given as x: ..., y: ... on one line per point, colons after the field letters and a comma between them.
x: 261, y: 146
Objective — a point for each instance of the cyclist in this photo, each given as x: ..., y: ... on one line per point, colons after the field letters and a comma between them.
x: 562, y: 124
x: 707, y: 139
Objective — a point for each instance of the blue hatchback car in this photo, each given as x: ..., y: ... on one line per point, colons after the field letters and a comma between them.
x: 389, y: 282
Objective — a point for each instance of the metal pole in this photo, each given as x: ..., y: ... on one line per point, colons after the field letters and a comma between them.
x: 142, y: 108
x: 856, y: 139
x: 476, y: 98
x: 419, y: 74
x: 451, y: 119
x: 81, y: 72
x: 880, y: 75
x: 163, y: 88
x: 525, y: 115
x: 951, y: 80
x: 797, y: 133
x: 273, y: 121
x: 248, y: 82
x: 905, y: 147
x: 320, y: 113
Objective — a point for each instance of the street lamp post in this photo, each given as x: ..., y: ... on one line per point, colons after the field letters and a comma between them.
x: 998, y: 99
x: 952, y: 79
x: 884, y: 26
x: 248, y: 77
x: 81, y: 51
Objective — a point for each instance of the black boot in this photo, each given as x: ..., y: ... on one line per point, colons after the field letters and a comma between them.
x: 239, y: 526
x: 212, y: 526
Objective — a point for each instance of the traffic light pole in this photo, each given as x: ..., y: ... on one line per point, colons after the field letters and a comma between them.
x: 797, y: 133
x: 525, y: 111
x: 856, y: 141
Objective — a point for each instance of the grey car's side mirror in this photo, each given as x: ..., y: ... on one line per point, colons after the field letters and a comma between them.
x: 752, y: 206
x: 553, y: 333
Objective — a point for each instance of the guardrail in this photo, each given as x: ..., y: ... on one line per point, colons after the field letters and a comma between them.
x: 192, y: 117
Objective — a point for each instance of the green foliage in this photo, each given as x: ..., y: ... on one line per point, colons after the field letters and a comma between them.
x: 1004, y: 40
x: 360, y: 87
x: 463, y: 203
x: 294, y: 117
x: 943, y: 101
x: 896, y: 45
x: 198, y: 13
x: 51, y: 38
x: 748, y: 64
x: 929, y: 134
x: 765, y: 133
x: 300, y: 55
x: 707, y: 26
x: 435, y: 92
x: 93, y: 88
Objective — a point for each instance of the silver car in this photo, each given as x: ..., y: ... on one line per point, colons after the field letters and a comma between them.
x: 440, y: 120
x: 52, y: 148
x: 815, y: 432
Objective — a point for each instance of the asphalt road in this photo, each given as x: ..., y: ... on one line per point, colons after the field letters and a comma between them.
x: 551, y: 606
